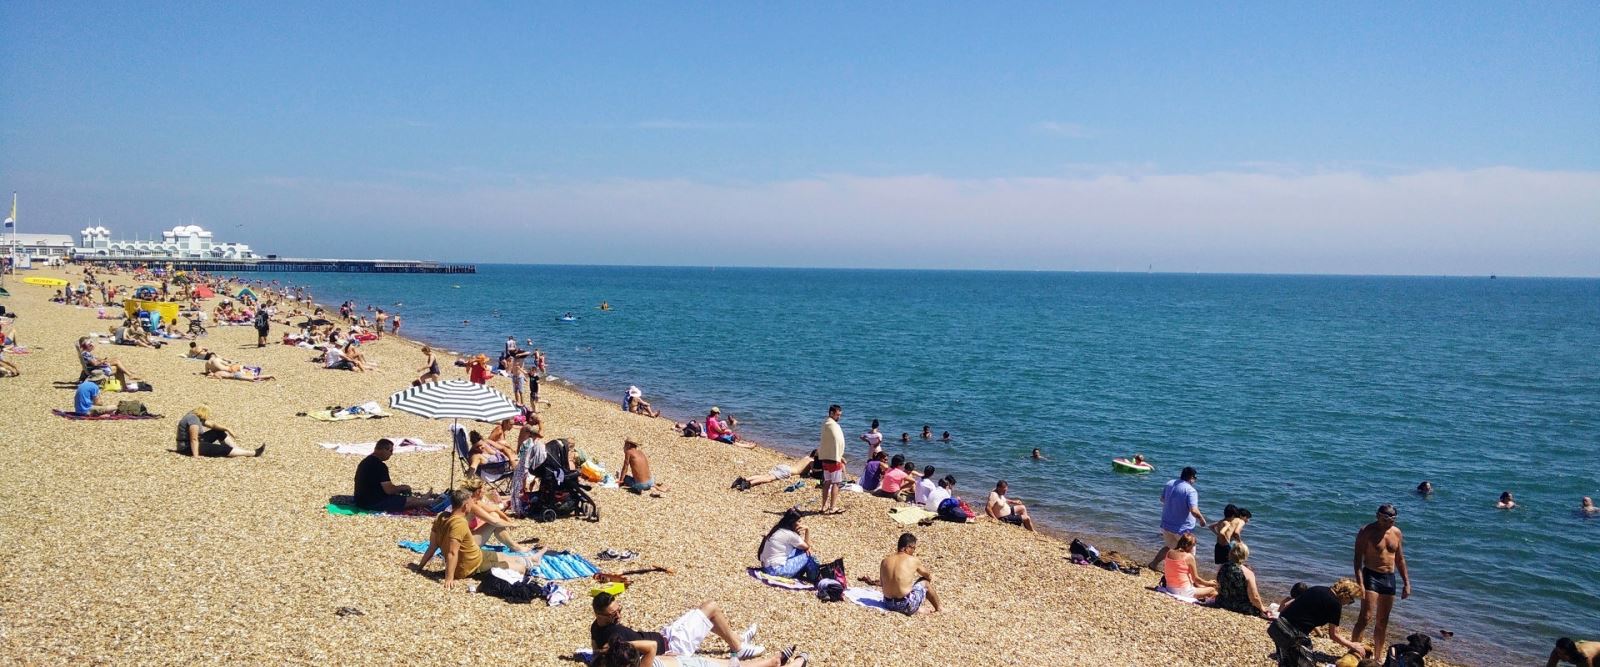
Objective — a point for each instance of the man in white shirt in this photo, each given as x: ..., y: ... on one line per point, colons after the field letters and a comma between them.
x: 925, y: 486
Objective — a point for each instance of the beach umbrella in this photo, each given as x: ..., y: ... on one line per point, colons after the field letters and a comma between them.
x: 456, y: 400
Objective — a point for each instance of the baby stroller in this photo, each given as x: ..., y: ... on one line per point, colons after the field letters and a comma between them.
x: 561, y: 492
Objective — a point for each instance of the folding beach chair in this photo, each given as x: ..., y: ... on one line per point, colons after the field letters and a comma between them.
x: 497, y: 475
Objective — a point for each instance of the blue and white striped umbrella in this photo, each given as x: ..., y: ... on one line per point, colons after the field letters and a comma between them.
x: 454, y: 399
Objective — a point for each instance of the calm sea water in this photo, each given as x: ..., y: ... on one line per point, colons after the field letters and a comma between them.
x: 1309, y: 400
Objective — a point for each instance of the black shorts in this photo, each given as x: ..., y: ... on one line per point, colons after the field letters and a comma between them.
x: 210, y: 444
x: 1219, y: 553
x: 1012, y: 518
x: 1381, y: 583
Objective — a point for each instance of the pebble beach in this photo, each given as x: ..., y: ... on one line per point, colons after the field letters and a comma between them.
x: 116, y: 550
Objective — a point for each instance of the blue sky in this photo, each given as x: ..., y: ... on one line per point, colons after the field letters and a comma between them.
x: 1350, y: 138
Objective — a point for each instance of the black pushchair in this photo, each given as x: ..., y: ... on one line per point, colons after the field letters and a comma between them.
x: 561, y: 491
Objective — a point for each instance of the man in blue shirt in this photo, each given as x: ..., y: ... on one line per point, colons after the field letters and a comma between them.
x: 1180, y: 512
x: 86, y: 401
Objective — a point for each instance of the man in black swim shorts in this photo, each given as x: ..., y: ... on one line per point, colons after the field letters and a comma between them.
x: 1379, y: 556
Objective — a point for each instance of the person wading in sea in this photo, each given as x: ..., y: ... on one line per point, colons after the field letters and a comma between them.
x: 1380, y: 554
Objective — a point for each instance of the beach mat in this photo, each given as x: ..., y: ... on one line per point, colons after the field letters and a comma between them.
x: 555, y: 566
x: 909, y: 515
x: 866, y: 597
x: 786, y: 583
x: 96, y: 418
x: 402, y: 446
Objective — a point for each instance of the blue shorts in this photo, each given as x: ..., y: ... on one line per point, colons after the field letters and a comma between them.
x: 912, y: 602
x: 637, y: 486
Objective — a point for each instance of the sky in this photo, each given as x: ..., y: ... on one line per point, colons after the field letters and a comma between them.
x: 1370, y: 138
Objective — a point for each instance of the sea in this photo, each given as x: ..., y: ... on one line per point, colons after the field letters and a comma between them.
x: 1309, y: 400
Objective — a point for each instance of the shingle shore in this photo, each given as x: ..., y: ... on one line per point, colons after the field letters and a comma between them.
x: 115, y: 550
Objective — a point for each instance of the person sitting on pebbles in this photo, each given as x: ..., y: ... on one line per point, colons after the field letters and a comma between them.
x: 452, y: 539
x: 1007, y: 510
x: 906, y: 582
x: 199, y: 436
x: 635, y: 472
x: 375, y: 491
x: 1582, y: 654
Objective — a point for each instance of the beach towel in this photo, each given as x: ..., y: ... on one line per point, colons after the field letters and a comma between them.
x: 866, y: 597
x: 1181, y: 598
x: 106, y: 417
x: 775, y: 581
x: 401, y: 446
x: 346, y: 506
x: 368, y: 410
x: 555, y: 566
x: 909, y: 515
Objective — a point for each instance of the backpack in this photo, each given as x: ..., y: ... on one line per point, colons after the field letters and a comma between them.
x: 830, y: 590
x: 132, y: 408
x: 950, y: 510
x: 522, y: 592
x: 1085, y: 551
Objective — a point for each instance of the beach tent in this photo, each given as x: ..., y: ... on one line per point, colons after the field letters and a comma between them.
x: 145, y: 293
x: 204, y: 292
x: 246, y: 292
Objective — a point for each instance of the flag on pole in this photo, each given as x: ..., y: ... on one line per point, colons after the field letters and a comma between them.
x: 11, y: 222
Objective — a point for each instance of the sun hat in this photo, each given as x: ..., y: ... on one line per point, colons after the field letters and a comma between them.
x: 634, y: 391
x: 716, y: 410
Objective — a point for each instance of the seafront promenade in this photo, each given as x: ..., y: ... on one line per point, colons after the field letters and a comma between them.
x: 116, y: 550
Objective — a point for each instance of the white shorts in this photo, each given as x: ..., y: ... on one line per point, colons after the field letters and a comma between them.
x: 685, y: 634
x: 1169, y: 538
x: 781, y: 471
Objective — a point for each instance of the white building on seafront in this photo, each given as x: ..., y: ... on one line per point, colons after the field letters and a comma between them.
x: 181, y: 242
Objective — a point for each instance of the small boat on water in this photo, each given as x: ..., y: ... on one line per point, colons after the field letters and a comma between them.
x: 1128, y: 465
x: 569, y: 317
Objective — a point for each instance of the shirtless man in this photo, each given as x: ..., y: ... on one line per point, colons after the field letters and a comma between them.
x: 1582, y: 654
x: 1007, y: 510
x: 802, y: 467
x: 905, y: 580
x: 1379, y: 555
x: 635, y: 471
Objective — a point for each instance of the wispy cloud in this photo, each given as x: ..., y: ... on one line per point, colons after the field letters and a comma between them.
x: 670, y: 124
x: 1064, y: 130
x: 1495, y: 220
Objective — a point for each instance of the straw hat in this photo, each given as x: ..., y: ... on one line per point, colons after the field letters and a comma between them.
x: 716, y: 410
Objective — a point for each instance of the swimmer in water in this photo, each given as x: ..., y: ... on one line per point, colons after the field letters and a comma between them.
x: 927, y: 432
x: 1425, y: 488
x: 1506, y: 501
x: 1588, y: 506
x: 1036, y: 455
x: 945, y: 437
x: 905, y: 438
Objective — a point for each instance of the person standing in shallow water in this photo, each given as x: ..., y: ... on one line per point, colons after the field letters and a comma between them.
x: 1379, y: 556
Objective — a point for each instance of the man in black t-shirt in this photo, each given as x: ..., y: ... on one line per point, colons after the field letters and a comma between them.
x: 375, y: 492
x: 1316, y: 607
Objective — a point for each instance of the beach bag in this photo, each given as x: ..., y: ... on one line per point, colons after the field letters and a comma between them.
x: 132, y: 408
x: 1084, y: 550
x: 830, y: 590
x: 950, y: 510
x: 692, y: 429
x: 833, y: 570
x: 112, y: 384
x: 522, y: 592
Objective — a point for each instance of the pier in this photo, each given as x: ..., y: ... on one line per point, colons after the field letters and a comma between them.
x: 287, y: 264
